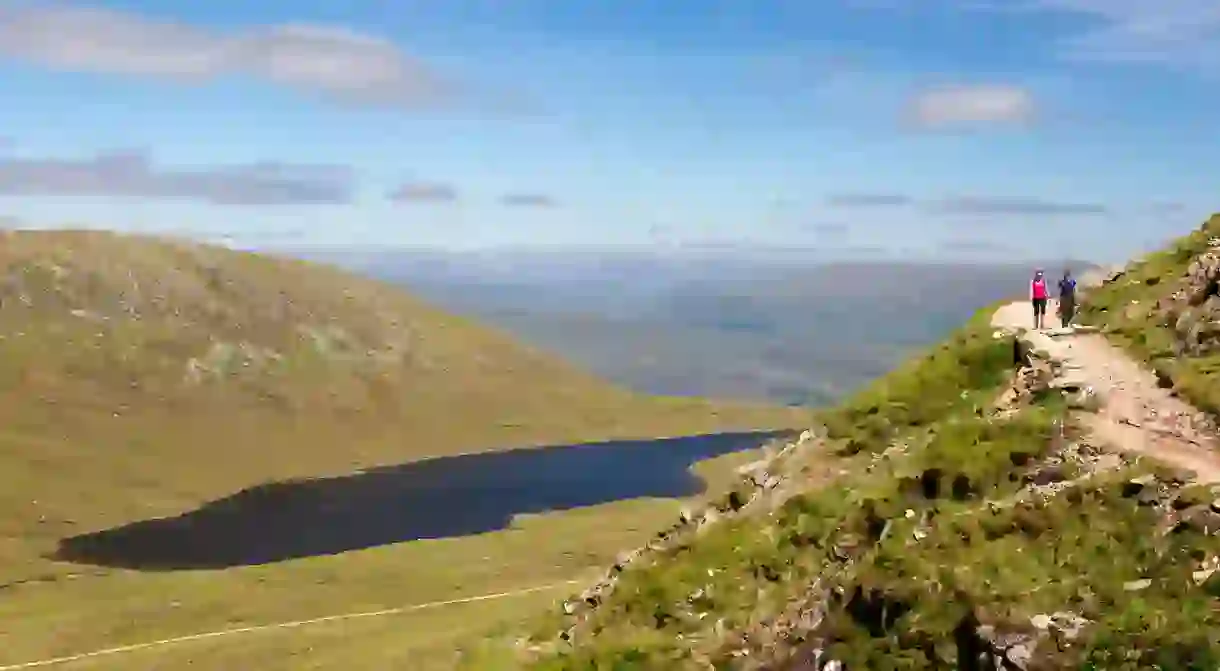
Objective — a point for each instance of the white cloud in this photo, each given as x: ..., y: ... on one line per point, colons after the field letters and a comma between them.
x: 344, y: 64
x: 977, y: 104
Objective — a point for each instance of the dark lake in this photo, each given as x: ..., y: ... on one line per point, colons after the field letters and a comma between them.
x: 434, y: 498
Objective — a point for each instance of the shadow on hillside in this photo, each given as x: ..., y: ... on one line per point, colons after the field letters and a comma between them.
x: 435, y: 498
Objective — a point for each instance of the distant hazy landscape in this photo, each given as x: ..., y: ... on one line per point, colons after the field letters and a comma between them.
x: 726, y: 325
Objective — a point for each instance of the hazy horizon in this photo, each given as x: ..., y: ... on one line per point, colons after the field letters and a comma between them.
x: 753, y: 328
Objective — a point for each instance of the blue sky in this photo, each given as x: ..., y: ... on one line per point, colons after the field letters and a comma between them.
x: 945, y: 127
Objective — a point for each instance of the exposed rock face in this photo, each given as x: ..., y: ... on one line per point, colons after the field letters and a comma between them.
x: 1191, y: 310
x: 1036, y: 376
x: 1194, y: 310
x: 1034, y: 380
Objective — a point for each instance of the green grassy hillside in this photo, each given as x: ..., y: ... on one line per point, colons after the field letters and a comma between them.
x: 143, y: 377
x: 971, y: 517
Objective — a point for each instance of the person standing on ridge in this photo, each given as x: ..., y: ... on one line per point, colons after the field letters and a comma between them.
x: 1038, y: 296
x: 1067, y: 298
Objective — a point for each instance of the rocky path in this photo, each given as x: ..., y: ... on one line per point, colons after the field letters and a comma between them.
x: 1136, y: 414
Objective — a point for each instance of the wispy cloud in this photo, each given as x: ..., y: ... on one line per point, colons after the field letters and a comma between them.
x: 239, y: 239
x: 975, y: 246
x: 528, y: 200
x: 972, y: 105
x: 868, y: 200
x: 424, y: 192
x: 1168, y: 32
x: 1166, y: 207
x: 1002, y: 205
x: 969, y: 204
x: 826, y: 233
x: 132, y: 174
x: 342, y: 64
x: 829, y: 230
x: 1176, y: 33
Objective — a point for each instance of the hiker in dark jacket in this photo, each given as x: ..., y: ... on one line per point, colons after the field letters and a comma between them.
x: 1067, y: 298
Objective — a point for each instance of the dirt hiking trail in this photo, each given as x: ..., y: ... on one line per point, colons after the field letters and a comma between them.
x: 1136, y: 414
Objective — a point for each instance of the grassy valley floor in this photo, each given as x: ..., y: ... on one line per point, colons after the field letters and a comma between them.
x: 99, y: 609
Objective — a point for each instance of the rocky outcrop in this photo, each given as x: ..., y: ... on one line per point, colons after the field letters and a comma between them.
x: 1039, y: 375
x: 1033, y: 380
x: 1193, y: 311
x: 984, y: 642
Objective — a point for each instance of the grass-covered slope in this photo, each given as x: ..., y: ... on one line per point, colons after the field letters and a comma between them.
x: 970, y: 519
x: 1165, y: 309
x: 142, y: 377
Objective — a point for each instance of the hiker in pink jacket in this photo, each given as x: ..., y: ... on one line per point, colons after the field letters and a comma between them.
x: 1038, y: 295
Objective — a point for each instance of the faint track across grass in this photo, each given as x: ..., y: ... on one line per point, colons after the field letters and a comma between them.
x: 136, y: 647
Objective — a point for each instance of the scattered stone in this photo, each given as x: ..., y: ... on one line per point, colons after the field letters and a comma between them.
x: 1084, y: 398
x: 1163, y: 379
x: 1206, y: 570
x: 1069, y: 625
x: 1020, y: 655
x: 1137, y: 585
